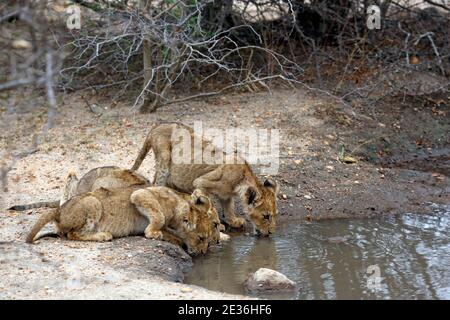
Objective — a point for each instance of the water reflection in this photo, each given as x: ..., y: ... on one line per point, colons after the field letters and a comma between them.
x: 412, y: 252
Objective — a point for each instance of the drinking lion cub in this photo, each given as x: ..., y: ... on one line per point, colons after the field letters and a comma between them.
x: 223, y: 180
x: 104, y: 214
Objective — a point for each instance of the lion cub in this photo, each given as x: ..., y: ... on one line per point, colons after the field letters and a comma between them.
x: 174, y: 211
x: 216, y: 235
x: 104, y: 214
x: 225, y: 181
x: 106, y: 177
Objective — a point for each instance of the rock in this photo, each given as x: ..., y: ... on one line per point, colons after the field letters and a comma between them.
x: 186, y: 290
x: 268, y: 280
x: 96, y: 109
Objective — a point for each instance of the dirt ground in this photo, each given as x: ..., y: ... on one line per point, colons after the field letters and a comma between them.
x: 402, y: 155
x: 129, y: 268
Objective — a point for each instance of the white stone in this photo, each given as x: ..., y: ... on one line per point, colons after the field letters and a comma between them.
x: 268, y: 280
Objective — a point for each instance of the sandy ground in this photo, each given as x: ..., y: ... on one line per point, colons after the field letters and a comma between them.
x: 116, y: 270
x: 397, y: 171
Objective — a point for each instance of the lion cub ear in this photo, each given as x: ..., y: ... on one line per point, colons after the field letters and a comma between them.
x: 252, y: 195
x: 272, y: 185
x: 188, y: 216
x: 199, y: 199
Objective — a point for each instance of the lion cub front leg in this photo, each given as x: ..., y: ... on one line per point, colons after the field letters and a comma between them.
x: 157, y: 222
x: 169, y: 237
x: 150, y: 209
x: 213, y: 183
x: 230, y: 217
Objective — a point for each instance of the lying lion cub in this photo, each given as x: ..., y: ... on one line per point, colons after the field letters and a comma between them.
x: 106, y: 177
x: 104, y: 214
x: 165, y: 209
x: 226, y: 181
x: 111, y: 177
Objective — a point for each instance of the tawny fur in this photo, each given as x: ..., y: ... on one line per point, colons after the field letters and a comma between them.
x: 159, y: 213
x: 216, y: 235
x: 106, y: 177
x: 175, y: 211
x: 226, y: 181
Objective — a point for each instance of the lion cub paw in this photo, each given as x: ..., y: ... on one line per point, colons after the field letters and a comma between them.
x: 224, y: 237
x: 236, y: 222
x: 103, y: 236
x: 155, y: 235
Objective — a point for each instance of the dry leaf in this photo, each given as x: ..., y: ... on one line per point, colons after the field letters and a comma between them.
x: 414, y: 60
x: 348, y: 159
x: 21, y: 44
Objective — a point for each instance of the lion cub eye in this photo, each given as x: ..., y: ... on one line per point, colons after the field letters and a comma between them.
x: 266, y: 216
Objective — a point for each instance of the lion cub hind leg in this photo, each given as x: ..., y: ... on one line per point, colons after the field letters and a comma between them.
x: 89, y: 236
x: 212, y: 182
x: 151, y: 209
x: 82, y: 219
x: 163, y: 158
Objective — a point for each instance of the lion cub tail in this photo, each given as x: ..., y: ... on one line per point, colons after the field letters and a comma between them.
x: 142, y: 153
x: 23, y: 207
x: 43, y: 220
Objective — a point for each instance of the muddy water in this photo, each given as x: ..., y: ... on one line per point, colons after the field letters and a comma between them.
x: 339, y: 259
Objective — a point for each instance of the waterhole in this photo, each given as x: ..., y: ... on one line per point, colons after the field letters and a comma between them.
x: 393, y: 257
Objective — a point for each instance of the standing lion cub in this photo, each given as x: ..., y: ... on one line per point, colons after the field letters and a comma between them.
x: 104, y: 214
x: 226, y: 181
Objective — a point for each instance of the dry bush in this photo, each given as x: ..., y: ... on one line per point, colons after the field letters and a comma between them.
x: 142, y: 50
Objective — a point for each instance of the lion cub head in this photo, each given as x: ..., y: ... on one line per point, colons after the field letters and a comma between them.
x: 199, y: 222
x: 262, y: 206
